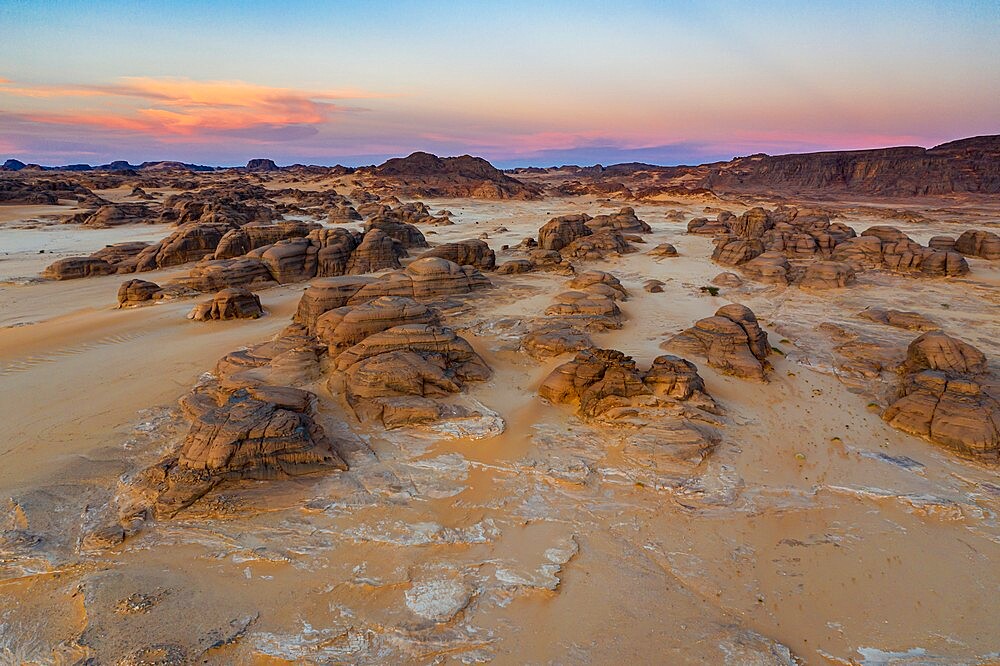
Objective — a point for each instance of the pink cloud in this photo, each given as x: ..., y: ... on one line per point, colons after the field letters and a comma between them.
x: 178, y: 107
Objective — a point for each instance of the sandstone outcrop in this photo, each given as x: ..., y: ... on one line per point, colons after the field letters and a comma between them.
x: 596, y: 246
x: 899, y: 319
x: 325, y: 294
x: 979, y: 243
x: 559, y: 232
x: 663, y: 250
x: 232, y: 303
x: 731, y: 341
x: 343, y: 327
x: 472, y: 252
x: 827, y: 275
x: 376, y: 251
x: 624, y: 222
x: 733, y: 251
x: 399, y: 376
x: 405, y: 233
x: 134, y: 292
x: 265, y: 432
x: 72, y: 268
x: 949, y: 397
x: 425, y: 279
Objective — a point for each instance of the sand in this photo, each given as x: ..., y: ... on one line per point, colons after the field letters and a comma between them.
x: 814, y: 529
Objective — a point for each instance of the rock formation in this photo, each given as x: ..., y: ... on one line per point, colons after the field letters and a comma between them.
x: 979, y: 243
x: 473, y: 252
x: 948, y: 396
x: 233, y: 303
x: 134, y: 292
x: 731, y: 341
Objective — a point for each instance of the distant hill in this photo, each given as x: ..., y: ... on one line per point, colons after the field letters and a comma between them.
x: 967, y: 165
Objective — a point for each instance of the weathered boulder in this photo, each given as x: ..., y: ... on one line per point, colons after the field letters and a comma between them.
x: 733, y: 251
x: 292, y: 260
x: 232, y: 303
x: 935, y: 350
x: 559, y: 232
x: 898, y: 318
x: 731, y: 341
x: 72, y: 268
x: 948, y: 397
x: 335, y: 247
x: 663, y: 250
x: 426, y: 278
x: 133, y: 292
x: 589, y: 280
x: 770, y: 267
x: 727, y: 280
x: 751, y: 224
x: 265, y: 432
x: 211, y: 276
x: 979, y: 243
x: 624, y: 222
x: 827, y: 275
x: 376, y: 251
x: 515, y: 266
x: 406, y: 234
x: 473, y: 252
x: 325, y: 294
x: 346, y: 326
x: 597, y: 246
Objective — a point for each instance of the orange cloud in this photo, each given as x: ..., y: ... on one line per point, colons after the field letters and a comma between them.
x: 180, y: 107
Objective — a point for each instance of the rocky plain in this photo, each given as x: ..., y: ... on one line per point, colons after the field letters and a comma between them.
x: 432, y: 412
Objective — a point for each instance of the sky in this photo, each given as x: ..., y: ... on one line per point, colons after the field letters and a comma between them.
x: 519, y: 83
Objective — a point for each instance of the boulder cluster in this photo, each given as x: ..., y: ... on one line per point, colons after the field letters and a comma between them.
x: 781, y: 246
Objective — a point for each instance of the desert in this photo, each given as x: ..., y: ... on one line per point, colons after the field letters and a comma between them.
x: 445, y: 409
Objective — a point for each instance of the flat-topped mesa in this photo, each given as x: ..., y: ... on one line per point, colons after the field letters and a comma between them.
x: 405, y: 233
x: 262, y: 432
x: 472, y: 252
x: 731, y: 341
x: 232, y: 303
x: 624, y: 222
x: 949, y: 397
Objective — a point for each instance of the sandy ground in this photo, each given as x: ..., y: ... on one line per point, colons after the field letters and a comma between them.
x: 814, y: 527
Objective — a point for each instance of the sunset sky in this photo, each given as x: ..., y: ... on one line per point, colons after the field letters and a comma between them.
x: 516, y: 82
